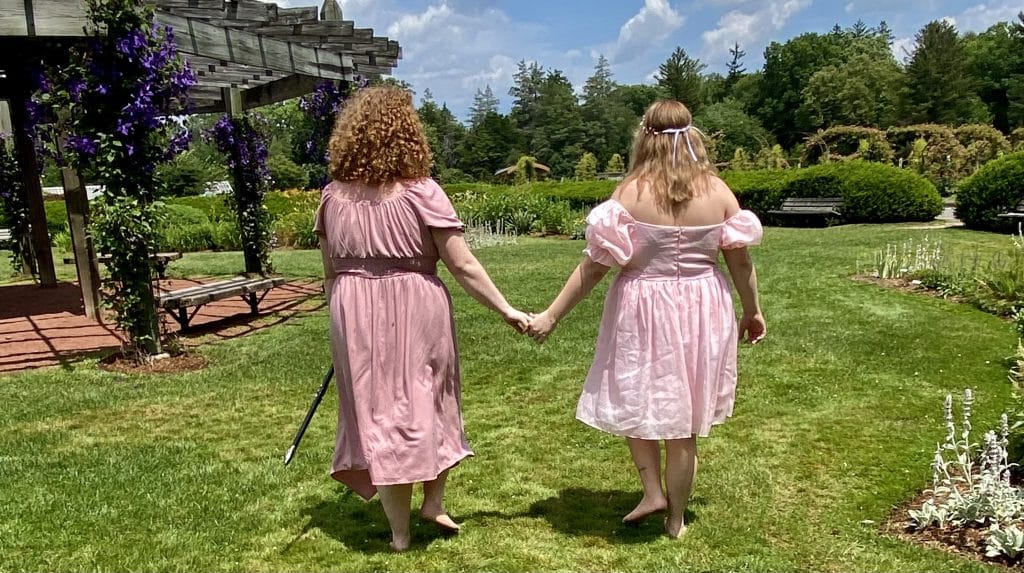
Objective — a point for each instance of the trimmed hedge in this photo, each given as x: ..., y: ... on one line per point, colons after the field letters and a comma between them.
x: 997, y: 187
x: 871, y: 192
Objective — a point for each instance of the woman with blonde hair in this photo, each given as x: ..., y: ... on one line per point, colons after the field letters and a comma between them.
x: 383, y: 226
x: 664, y: 367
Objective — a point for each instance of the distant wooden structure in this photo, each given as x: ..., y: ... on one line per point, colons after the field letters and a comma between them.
x: 246, y: 54
x: 539, y: 168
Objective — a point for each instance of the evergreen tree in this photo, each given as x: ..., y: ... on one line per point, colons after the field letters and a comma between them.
x: 939, y: 87
x: 734, y: 66
x: 680, y: 78
x: 586, y: 168
x: 484, y: 102
x: 615, y: 164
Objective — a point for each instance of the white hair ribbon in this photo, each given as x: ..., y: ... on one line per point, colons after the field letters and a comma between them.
x: 675, y: 131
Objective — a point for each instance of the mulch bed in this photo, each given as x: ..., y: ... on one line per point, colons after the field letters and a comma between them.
x: 173, y: 364
x: 966, y: 542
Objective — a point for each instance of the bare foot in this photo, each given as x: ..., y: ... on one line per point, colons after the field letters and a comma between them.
x: 645, y: 509
x: 675, y: 530
x: 443, y: 520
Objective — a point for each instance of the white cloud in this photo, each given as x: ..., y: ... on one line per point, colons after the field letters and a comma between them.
x: 902, y: 48
x: 649, y: 27
x: 749, y: 28
x: 850, y: 8
x: 981, y: 16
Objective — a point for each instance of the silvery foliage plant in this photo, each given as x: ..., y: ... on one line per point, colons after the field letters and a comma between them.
x: 971, y: 485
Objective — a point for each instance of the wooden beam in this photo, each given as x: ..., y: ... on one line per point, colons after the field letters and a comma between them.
x: 279, y: 90
x: 29, y: 166
x: 232, y: 101
x: 77, y: 202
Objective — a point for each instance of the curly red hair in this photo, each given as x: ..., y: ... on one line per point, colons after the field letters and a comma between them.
x: 378, y: 138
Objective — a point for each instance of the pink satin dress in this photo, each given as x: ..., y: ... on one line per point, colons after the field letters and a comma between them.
x: 392, y: 338
x: 665, y: 362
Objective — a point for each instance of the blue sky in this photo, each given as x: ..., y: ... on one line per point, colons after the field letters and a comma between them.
x: 454, y: 47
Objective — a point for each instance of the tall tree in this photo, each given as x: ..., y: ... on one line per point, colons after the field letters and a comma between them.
x: 734, y: 66
x: 680, y: 78
x: 939, y: 87
x: 993, y: 57
x: 525, y: 92
x: 484, y: 102
x: 862, y: 91
x: 491, y: 144
x: 608, y: 121
x: 444, y: 131
x: 1015, y: 85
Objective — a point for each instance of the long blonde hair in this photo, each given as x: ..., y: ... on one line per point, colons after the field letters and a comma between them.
x: 378, y: 138
x: 668, y: 153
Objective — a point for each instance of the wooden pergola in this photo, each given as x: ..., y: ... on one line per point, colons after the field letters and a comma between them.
x: 246, y: 54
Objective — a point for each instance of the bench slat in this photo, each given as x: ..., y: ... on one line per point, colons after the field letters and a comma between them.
x: 809, y: 206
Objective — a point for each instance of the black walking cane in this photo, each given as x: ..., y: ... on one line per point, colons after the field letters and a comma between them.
x: 309, y: 415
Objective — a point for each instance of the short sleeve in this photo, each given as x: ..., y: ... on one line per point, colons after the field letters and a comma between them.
x: 434, y: 207
x: 318, y: 223
x: 741, y: 230
x: 609, y: 235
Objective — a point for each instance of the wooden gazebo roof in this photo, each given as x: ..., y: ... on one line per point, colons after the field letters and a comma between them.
x: 267, y: 52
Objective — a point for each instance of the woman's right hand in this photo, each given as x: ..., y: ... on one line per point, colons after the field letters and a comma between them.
x: 753, y: 326
x: 541, y: 326
x: 517, y: 319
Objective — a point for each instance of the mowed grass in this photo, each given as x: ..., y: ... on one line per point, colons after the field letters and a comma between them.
x: 838, y: 414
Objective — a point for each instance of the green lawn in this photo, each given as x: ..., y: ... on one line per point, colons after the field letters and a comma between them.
x: 838, y: 415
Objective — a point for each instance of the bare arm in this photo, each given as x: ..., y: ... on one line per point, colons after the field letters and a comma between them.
x: 744, y: 277
x: 580, y: 283
x: 472, y: 277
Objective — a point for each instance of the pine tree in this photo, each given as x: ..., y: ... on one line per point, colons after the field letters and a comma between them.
x: 939, y: 87
x: 484, y: 102
x: 586, y: 169
x: 615, y: 165
x: 735, y: 66
x: 680, y: 78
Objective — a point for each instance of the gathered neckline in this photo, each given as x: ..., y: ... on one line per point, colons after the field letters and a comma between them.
x: 676, y: 227
x: 376, y: 200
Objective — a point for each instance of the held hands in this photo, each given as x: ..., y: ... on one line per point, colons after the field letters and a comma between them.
x: 753, y: 326
x: 538, y: 326
x: 517, y: 319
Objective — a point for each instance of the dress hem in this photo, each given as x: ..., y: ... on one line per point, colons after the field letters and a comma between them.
x: 368, y: 488
x: 615, y: 431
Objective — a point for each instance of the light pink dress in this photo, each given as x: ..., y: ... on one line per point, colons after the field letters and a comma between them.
x: 392, y: 337
x: 665, y: 362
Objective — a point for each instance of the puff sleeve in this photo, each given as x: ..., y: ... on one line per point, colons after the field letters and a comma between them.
x: 319, y: 227
x: 434, y: 207
x: 609, y: 235
x: 741, y: 230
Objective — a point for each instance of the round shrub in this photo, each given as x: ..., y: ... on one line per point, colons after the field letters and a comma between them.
x: 56, y: 216
x: 296, y: 230
x: 997, y: 187
x: 758, y: 190
x: 286, y: 174
x: 871, y: 192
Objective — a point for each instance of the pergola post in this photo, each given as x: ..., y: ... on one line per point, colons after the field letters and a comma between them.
x: 28, y: 163
x: 77, y: 201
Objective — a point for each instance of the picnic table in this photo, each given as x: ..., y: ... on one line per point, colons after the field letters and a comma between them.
x: 159, y: 260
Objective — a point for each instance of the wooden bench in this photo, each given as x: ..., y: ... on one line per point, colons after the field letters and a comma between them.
x: 178, y: 302
x: 1017, y: 213
x: 826, y: 208
x: 5, y: 235
x: 159, y: 260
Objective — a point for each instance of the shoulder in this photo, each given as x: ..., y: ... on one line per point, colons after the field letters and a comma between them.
x: 719, y: 192
x: 425, y: 188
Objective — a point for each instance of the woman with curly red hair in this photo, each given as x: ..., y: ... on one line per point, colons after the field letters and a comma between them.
x: 383, y: 226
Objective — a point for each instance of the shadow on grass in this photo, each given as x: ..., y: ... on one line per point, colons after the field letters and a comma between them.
x: 360, y: 525
x: 598, y: 513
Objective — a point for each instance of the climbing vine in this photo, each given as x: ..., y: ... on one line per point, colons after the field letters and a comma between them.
x: 14, y: 206
x: 116, y: 100
x: 243, y: 141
